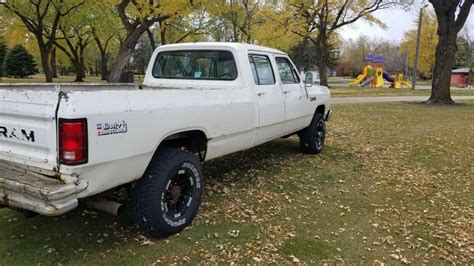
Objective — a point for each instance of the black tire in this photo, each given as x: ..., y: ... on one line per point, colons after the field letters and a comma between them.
x: 166, y: 199
x: 313, y: 137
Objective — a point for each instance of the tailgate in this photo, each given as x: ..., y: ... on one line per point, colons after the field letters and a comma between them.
x: 28, y: 125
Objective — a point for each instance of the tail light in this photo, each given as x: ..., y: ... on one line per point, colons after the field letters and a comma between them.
x: 72, y: 141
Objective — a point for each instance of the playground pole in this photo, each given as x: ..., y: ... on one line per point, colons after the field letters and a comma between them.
x: 417, y: 53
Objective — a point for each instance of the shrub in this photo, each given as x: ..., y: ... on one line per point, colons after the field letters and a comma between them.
x: 19, y: 63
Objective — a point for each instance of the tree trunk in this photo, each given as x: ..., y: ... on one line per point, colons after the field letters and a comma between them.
x: 54, y: 66
x: 79, y: 69
x: 323, y: 76
x: 44, y: 53
x: 445, y: 51
x: 322, y: 60
x: 126, y: 51
x: 235, y: 32
x: 103, y: 65
x: 152, y: 39
x: 162, y: 33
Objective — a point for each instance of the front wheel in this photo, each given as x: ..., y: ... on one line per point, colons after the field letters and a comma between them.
x: 313, y: 137
x: 167, y: 197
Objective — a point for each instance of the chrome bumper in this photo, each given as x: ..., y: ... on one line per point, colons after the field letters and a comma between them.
x: 328, y: 115
x: 27, y: 190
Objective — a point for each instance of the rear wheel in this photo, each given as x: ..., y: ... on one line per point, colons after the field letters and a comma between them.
x: 313, y: 137
x: 167, y: 197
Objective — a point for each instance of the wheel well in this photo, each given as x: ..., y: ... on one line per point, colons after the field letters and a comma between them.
x: 321, y: 109
x: 194, y: 141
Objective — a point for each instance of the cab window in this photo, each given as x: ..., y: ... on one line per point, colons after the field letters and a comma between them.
x: 287, y: 72
x: 207, y: 65
x: 262, y: 69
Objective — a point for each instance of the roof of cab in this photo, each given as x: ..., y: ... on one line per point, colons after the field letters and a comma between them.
x: 226, y: 45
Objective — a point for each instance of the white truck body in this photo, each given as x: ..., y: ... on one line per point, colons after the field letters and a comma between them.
x: 126, y: 123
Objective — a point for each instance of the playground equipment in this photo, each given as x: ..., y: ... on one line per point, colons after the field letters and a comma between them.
x: 398, y: 82
x: 374, y: 74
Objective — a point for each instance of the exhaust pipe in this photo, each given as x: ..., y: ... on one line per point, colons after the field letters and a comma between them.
x: 110, y: 207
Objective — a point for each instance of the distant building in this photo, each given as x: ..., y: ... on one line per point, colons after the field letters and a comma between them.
x: 462, y: 77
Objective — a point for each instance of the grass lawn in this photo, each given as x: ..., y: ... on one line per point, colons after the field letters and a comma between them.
x: 393, y: 185
x: 367, y: 92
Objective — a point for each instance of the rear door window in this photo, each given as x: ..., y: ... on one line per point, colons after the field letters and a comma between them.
x: 207, y: 65
x: 262, y: 69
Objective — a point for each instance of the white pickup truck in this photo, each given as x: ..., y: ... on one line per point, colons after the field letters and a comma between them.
x: 60, y: 143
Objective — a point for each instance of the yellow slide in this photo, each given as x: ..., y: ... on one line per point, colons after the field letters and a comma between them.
x: 359, y: 79
x: 408, y: 84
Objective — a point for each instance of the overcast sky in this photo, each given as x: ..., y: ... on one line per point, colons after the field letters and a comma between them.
x: 397, y: 20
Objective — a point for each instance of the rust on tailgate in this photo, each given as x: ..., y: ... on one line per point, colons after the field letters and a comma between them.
x: 25, y: 189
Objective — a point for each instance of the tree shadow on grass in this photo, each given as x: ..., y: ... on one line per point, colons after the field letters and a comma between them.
x: 455, y: 105
x: 84, y: 232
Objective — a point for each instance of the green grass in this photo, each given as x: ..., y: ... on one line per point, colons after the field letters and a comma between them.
x: 371, y: 92
x: 394, y: 183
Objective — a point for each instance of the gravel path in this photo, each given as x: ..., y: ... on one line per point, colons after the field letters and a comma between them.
x: 350, y: 100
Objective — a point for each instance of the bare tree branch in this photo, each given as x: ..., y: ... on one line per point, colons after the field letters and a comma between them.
x: 463, y: 14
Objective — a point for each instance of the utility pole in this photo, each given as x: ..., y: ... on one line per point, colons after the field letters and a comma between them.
x: 417, y: 53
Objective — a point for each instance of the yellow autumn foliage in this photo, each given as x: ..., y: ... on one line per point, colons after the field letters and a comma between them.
x: 428, y: 43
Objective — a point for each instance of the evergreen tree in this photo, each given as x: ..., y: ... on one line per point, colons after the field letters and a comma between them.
x: 3, y: 51
x: 19, y: 63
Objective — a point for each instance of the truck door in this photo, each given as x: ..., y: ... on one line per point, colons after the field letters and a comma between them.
x: 296, y: 100
x: 271, y: 106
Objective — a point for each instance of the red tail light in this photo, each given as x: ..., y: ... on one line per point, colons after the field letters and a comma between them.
x: 72, y: 141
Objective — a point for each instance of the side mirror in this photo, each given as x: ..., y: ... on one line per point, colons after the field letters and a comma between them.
x: 308, y: 79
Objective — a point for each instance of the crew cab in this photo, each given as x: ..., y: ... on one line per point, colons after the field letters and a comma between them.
x: 61, y: 143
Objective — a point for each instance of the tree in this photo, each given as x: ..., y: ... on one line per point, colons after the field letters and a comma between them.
x: 3, y: 52
x: 463, y: 57
x: 354, y: 51
x: 305, y: 55
x: 318, y: 21
x: 451, y: 16
x: 237, y: 18
x: 72, y: 43
x: 105, y: 25
x: 142, y: 55
x: 137, y: 16
x: 19, y: 63
x: 74, y: 35
x: 41, y: 18
x: 274, y: 32
x: 190, y: 28
x: 428, y: 42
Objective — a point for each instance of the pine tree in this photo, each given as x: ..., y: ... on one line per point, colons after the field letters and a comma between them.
x: 19, y: 63
x: 3, y: 51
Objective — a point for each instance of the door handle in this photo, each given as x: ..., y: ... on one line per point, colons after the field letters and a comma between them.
x: 260, y: 93
x: 286, y: 92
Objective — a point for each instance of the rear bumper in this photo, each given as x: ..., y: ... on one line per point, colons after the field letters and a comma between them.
x: 26, y: 190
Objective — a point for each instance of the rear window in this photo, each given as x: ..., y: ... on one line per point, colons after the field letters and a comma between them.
x: 206, y: 65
